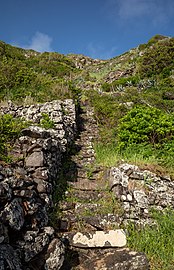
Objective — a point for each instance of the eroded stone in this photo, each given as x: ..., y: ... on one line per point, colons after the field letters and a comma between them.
x: 112, y: 238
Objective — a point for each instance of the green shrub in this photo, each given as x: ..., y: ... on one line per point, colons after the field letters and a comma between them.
x: 145, y: 125
x: 106, y: 87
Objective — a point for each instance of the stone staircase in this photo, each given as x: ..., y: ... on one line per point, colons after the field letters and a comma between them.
x: 90, y: 211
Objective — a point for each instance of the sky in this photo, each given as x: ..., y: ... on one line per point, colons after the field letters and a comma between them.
x: 97, y: 28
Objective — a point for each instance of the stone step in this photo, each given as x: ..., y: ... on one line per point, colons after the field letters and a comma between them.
x: 106, y: 259
x: 86, y: 184
x: 112, y: 238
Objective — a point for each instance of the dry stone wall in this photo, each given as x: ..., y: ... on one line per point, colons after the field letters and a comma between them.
x: 140, y: 191
x: 26, y: 187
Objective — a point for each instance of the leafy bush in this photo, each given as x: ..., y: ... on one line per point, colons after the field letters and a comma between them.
x: 145, y: 125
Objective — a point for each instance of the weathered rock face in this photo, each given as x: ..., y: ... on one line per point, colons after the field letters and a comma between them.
x: 26, y: 188
x: 139, y: 191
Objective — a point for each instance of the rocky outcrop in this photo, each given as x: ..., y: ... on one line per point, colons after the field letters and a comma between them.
x: 82, y: 61
x: 26, y: 188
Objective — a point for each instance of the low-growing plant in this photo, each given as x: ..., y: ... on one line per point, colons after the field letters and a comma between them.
x: 10, y: 129
x: 46, y: 122
x: 156, y: 241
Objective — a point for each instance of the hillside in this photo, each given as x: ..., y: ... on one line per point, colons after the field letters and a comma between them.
x: 110, y: 156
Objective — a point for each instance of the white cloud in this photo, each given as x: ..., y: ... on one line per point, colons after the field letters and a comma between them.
x: 97, y: 51
x: 155, y: 11
x: 40, y: 42
x: 134, y: 8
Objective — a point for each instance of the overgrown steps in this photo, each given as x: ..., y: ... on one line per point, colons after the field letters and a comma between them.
x: 89, y: 205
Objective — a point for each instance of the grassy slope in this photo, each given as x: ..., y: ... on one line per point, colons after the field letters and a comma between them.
x: 38, y: 76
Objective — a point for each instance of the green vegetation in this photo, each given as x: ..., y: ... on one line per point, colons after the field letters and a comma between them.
x: 109, y: 155
x: 42, y: 77
x: 156, y: 241
x: 157, y: 59
x: 133, y: 98
x: 46, y: 122
x: 10, y: 129
x: 135, y: 112
x: 143, y: 135
x: 146, y: 125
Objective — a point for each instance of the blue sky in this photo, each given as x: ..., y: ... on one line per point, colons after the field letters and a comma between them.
x: 96, y: 28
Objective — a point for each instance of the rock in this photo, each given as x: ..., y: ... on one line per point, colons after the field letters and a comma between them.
x: 26, y: 185
x: 112, y: 238
x: 40, y: 218
x: 41, y: 173
x: 113, y: 259
x: 129, y: 197
x: 141, y: 198
x: 4, y: 238
x: 34, y: 243
x: 54, y: 255
x: 103, y: 222
x: 64, y: 225
x: 13, y: 213
x: 5, y: 192
x: 9, y: 258
x: 138, y: 190
x: 43, y: 186
x: 117, y: 177
x: 128, y: 168
x: 138, y: 175
x: 19, y: 184
x: 26, y: 193
x: 36, y: 159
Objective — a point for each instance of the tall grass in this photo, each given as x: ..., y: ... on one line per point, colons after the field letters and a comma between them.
x: 109, y: 155
x: 156, y: 242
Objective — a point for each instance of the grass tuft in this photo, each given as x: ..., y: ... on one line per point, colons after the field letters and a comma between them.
x: 157, y: 241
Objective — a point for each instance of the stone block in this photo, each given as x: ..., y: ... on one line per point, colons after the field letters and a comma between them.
x: 36, y: 159
x: 112, y: 238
